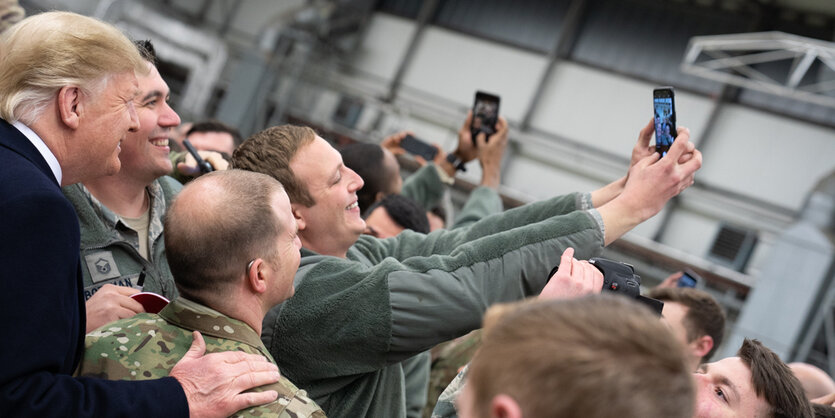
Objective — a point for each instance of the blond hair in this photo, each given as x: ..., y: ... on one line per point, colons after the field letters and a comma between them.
x: 596, y: 356
x: 48, y: 51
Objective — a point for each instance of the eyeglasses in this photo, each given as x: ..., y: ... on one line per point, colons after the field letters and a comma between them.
x: 249, y: 265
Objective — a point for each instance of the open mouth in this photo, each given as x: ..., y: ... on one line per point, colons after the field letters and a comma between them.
x: 160, y: 142
x: 352, y: 206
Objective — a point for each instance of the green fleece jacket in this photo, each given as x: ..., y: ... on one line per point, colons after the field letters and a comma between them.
x: 425, y: 187
x: 352, y: 320
x: 108, y: 257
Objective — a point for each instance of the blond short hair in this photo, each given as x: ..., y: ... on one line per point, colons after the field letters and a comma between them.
x: 596, y: 356
x: 45, y: 52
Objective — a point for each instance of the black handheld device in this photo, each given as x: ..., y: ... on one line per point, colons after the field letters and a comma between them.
x: 417, y: 147
x: 688, y: 279
x: 620, y: 278
x: 664, y: 111
x: 485, y: 114
x: 202, y: 164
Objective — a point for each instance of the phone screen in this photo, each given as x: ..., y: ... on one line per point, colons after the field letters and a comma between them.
x: 485, y: 114
x: 686, y: 280
x: 417, y: 147
x: 665, y: 118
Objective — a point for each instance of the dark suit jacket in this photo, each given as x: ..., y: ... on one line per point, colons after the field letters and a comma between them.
x: 42, y: 315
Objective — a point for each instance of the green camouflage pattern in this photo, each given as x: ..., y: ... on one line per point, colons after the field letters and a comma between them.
x: 447, y: 360
x: 147, y: 346
x: 445, y: 408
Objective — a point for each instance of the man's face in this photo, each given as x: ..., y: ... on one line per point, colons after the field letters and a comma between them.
x: 673, y: 314
x: 145, y: 152
x: 724, y: 389
x: 288, y: 248
x: 105, y: 121
x: 381, y: 225
x: 213, y: 141
x: 333, y: 223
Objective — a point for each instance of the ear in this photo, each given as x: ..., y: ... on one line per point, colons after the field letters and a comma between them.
x: 255, y: 276
x: 379, y: 196
x: 298, y: 213
x: 503, y: 406
x: 69, y: 106
x: 701, y: 345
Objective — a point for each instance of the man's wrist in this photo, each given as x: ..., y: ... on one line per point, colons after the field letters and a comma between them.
x: 456, y: 162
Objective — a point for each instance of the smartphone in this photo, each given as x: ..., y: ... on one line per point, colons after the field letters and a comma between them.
x: 417, y: 147
x: 688, y: 279
x: 485, y: 114
x: 204, y: 166
x: 664, y: 109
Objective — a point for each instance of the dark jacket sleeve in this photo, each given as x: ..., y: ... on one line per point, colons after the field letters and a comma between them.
x: 43, y: 318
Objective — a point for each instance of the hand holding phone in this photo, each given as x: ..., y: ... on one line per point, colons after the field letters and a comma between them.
x: 485, y: 115
x: 202, y: 164
x: 688, y: 279
x: 664, y: 114
x: 417, y: 147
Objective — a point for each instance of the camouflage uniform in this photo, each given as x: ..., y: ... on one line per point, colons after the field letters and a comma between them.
x: 445, y: 408
x: 110, y: 249
x: 448, y: 359
x: 148, y: 346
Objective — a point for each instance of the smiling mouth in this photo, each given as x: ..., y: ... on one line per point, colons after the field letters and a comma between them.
x: 160, y: 142
x: 352, y: 205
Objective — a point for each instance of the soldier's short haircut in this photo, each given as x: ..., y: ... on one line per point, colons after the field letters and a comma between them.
x: 213, y: 125
x: 209, y: 241
x: 147, y: 51
x: 596, y: 356
x: 774, y: 381
x: 270, y: 152
x: 704, y: 314
x: 48, y: 51
x: 404, y: 211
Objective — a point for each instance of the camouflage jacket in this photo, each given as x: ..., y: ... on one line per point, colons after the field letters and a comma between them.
x: 148, y: 346
x: 445, y: 407
x: 447, y: 361
x: 110, y: 250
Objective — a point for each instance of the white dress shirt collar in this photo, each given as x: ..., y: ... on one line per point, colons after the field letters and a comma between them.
x: 42, y: 148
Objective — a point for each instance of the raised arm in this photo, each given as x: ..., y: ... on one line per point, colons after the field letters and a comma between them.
x: 651, y: 182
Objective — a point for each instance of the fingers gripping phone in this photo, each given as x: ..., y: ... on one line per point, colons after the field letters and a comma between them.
x: 203, y: 165
x: 417, y: 147
x: 485, y: 115
x: 664, y: 110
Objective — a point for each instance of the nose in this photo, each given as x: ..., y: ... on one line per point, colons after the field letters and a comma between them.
x: 169, y: 118
x: 356, y: 182
x: 134, y: 118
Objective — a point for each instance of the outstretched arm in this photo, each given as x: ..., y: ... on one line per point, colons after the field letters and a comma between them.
x: 641, y: 150
x: 651, y: 182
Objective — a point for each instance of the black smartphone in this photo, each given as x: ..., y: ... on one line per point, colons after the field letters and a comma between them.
x: 688, y: 279
x: 417, y: 147
x: 485, y: 114
x: 664, y: 109
x: 203, y: 165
